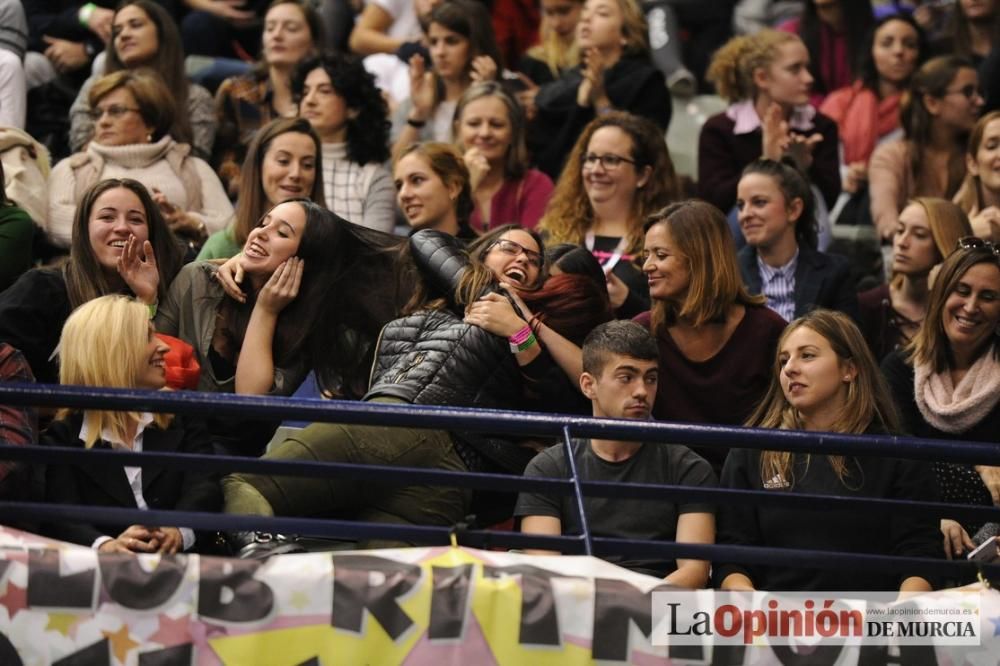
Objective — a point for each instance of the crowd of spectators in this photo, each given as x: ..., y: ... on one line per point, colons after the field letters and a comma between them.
x: 474, y: 204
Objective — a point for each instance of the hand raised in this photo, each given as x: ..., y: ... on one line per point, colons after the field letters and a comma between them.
x: 137, y: 266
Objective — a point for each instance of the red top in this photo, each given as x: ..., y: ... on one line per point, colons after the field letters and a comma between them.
x: 517, y: 202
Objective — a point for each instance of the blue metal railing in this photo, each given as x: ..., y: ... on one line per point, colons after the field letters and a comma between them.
x: 562, y: 427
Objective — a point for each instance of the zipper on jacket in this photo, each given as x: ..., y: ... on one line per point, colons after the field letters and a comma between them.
x: 417, y: 360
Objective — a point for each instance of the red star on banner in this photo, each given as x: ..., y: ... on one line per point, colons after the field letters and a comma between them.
x: 121, y: 642
x: 172, y: 632
x: 15, y: 599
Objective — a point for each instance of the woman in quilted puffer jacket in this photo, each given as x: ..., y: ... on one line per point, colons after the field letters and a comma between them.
x: 468, y: 339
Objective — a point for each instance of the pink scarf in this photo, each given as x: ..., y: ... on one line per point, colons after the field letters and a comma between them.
x: 955, y: 409
x: 861, y: 119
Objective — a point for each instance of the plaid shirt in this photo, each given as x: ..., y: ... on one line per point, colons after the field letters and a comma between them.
x: 18, y: 425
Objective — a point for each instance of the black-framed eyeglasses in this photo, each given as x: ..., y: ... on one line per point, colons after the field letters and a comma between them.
x: 609, y: 161
x: 970, y: 91
x: 513, y: 249
x: 975, y: 243
x: 114, y: 110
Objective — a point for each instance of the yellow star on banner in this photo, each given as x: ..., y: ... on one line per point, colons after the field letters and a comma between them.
x: 62, y: 622
x: 121, y: 643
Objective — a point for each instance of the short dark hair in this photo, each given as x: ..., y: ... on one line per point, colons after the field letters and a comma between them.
x: 625, y: 338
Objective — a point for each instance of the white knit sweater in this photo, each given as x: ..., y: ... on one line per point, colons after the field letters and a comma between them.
x: 145, y: 163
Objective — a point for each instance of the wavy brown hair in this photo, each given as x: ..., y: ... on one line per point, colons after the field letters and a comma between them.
x: 868, y: 404
x: 701, y: 235
x: 569, y: 214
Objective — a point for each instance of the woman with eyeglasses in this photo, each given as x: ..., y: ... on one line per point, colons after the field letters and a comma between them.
x: 716, y: 339
x: 937, y: 114
x: 485, y: 329
x: 946, y: 382
x: 979, y: 195
x: 618, y: 173
x: 133, y: 112
x: 143, y: 34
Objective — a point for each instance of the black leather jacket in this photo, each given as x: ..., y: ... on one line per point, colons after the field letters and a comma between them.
x: 432, y: 357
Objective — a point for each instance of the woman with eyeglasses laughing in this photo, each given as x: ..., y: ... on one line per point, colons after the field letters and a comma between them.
x: 467, y: 339
x: 947, y: 380
x: 618, y: 173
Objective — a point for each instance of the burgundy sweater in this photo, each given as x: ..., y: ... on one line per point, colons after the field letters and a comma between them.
x: 722, y: 156
x: 726, y: 388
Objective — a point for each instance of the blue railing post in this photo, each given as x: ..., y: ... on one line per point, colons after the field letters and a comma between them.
x: 577, y: 491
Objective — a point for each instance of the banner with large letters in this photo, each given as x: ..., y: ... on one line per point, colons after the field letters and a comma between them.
x: 63, y: 604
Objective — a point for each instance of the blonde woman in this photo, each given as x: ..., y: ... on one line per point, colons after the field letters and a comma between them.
x: 765, y: 78
x: 927, y: 232
x: 109, y: 342
x: 825, y: 379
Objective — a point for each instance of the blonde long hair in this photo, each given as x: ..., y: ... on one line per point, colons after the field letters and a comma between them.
x: 868, y: 399
x: 947, y: 223
x: 557, y: 53
x: 103, y: 345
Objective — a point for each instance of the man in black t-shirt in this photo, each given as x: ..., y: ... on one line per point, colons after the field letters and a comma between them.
x: 620, y: 373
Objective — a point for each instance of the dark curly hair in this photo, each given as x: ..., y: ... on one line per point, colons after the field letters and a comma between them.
x: 368, y: 126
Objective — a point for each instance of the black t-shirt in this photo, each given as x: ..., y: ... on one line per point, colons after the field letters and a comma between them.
x: 665, y: 464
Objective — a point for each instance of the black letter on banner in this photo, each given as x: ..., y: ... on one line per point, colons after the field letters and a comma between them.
x: 133, y: 587
x: 96, y: 654
x: 47, y: 588
x: 252, y: 599
x: 8, y: 653
x: 178, y: 655
x: 539, y: 622
x: 616, y: 603
x: 353, y: 593
x: 820, y: 655
x: 448, y: 601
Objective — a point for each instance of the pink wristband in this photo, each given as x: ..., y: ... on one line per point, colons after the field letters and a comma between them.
x: 520, y: 336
